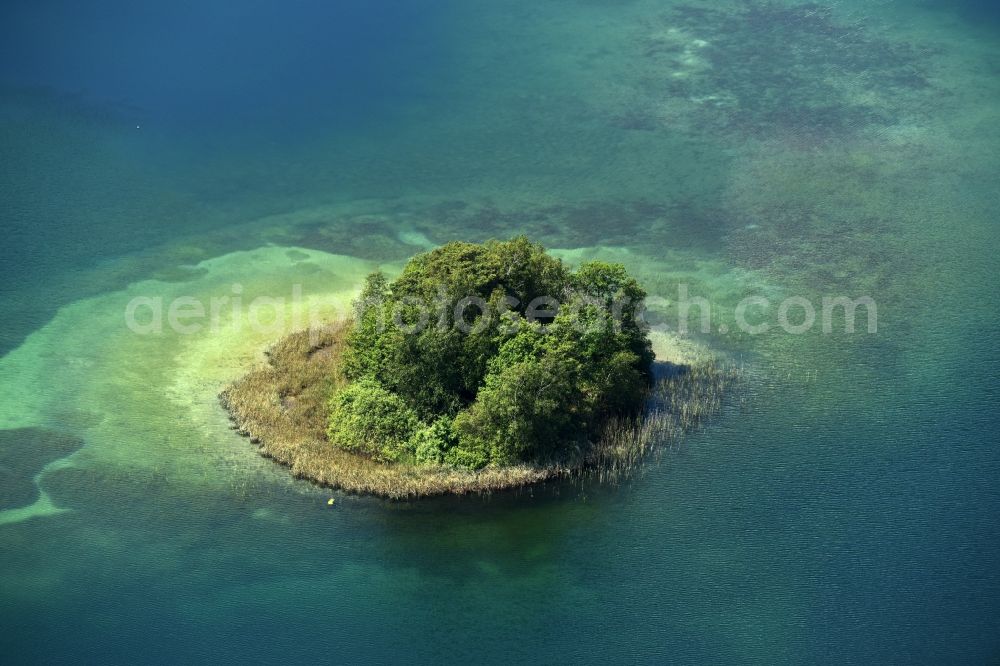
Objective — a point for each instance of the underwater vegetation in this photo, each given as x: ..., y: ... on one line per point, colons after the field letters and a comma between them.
x: 577, y: 224
x: 762, y: 69
x: 830, y: 221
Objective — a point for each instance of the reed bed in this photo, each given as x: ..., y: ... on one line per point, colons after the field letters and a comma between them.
x: 281, y: 407
x: 682, y: 399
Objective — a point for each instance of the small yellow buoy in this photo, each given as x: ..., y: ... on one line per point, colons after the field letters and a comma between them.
x: 329, y: 502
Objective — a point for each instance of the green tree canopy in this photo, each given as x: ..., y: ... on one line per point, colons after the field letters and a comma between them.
x: 490, y: 354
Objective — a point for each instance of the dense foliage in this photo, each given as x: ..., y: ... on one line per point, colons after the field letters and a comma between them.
x: 490, y: 354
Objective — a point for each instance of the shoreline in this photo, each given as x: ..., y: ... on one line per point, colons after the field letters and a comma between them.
x: 281, y: 408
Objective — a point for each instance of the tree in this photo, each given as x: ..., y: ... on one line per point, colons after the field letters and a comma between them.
x: 529, y: 402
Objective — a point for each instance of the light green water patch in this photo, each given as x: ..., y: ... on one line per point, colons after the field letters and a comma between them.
x: 145, y: 399
x: 41, y: 507
x: 416, y: 239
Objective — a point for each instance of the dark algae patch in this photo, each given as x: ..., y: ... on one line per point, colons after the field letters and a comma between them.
x: 764, y: 69
x: 24, y: 452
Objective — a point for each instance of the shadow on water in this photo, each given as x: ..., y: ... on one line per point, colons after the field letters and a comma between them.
x: 174, y: 527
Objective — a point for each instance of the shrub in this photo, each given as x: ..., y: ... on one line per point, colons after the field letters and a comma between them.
x: 365, y: 418
x: 431, y: 444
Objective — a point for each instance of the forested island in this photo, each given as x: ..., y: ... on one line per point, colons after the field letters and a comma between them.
x: 480, y: 367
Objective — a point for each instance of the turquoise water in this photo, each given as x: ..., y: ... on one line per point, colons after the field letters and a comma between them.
x: 843, y: 512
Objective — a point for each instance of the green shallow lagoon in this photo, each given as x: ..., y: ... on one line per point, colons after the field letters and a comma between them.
x: 840, y: 510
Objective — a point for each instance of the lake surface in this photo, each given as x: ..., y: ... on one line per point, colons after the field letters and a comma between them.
x: 841, y: 509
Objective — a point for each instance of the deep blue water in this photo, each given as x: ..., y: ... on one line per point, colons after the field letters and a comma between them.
x: 215, y: 67
x: 846, y: 514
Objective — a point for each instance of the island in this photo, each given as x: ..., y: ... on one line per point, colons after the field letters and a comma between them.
x: 480, y: 367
